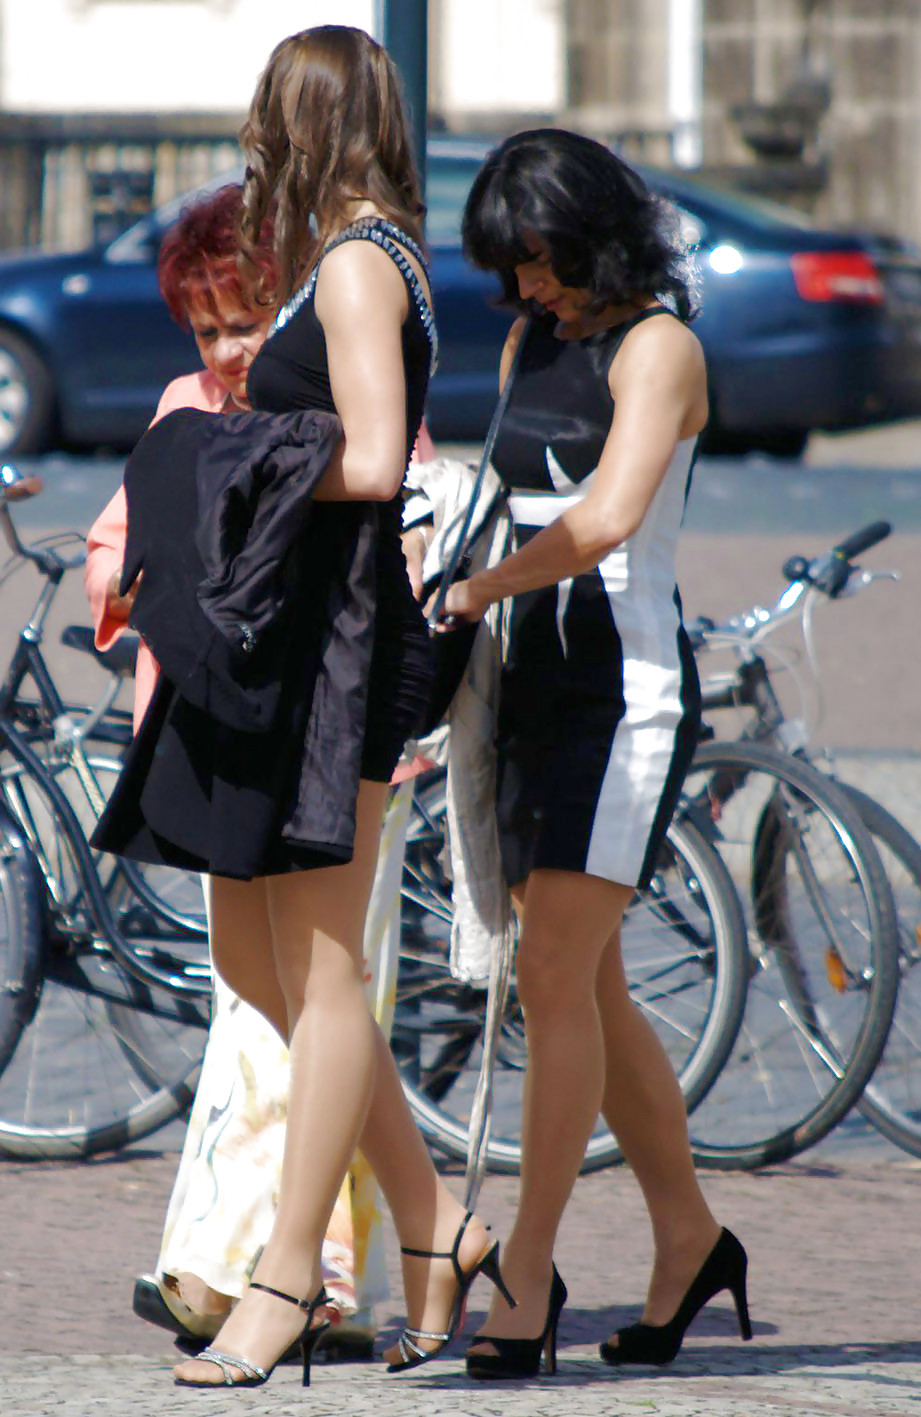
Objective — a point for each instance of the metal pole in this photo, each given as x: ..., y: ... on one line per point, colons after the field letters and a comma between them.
x: 404, y: 33
x: 685, y: 80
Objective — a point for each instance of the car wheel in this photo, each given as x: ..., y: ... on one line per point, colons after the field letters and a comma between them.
x: 26, y: 397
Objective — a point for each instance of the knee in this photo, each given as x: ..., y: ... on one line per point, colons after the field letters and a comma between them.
x: 550, y: 982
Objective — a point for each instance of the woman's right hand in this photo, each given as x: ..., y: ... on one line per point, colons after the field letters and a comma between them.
x: 415, y: 545
x: 119, y: 607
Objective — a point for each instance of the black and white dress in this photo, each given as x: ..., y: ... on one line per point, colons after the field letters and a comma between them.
x: 600, y: 702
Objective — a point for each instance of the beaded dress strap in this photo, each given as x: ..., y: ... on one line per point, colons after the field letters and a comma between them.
x: 384, y: 234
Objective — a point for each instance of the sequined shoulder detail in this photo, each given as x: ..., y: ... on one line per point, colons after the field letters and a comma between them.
x: 386, y: 235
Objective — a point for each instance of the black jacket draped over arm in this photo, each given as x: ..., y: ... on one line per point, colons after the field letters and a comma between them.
x: 259, y: 605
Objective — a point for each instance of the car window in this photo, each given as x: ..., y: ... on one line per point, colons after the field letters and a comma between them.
x: 734, y: 206
x: 448, y: 180
x: 447, y: 185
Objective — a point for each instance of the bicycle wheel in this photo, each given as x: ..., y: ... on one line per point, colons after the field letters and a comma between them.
x: 823, y: 946
x: 892, y: 1098
x: 21, y: 938
x: 68, y: 1090
x: 160, y: 911
x: 684, y: 951
x: 105, y: 1058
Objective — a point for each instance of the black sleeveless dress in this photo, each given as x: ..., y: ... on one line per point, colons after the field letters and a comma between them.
x: 291, y: 372
x: 599, y: 705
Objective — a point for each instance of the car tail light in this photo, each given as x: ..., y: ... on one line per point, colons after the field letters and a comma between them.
x: 838, y: 275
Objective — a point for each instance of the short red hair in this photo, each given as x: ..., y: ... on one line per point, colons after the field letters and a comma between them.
x: 199, y: 257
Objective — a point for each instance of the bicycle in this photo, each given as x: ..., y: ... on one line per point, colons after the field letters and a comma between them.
x: 692, y: 983
x: 684, y: 951
x: 821, y: 998
x: 105, y: 990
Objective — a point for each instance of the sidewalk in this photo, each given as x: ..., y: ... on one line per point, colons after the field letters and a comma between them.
x: 835, y: 1257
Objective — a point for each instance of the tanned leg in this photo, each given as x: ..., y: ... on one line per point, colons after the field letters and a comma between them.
x: 566, y: 923
x: 315, y: 921
x: 643, y: 1106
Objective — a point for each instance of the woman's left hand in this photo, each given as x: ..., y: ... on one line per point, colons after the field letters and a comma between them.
x: 466, y: 600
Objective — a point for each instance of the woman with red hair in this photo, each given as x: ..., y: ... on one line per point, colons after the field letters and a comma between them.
x: 203, y: 289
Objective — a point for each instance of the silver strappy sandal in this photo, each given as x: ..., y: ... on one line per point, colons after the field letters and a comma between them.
x: 253, y: 1375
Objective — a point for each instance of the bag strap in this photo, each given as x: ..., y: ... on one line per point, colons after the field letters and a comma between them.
x: 461, y: 547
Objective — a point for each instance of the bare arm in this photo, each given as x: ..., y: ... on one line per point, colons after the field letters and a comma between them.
x: 658, y: 383
x: 362, y: 302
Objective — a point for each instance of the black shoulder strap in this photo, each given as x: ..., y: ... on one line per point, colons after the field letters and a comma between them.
x: 384, y: 234
x: 460, y: 544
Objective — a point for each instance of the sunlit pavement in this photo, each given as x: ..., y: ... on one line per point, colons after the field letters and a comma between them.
x: 835, y: 1254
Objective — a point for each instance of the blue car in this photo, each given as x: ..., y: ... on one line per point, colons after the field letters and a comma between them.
x: 802, y: 328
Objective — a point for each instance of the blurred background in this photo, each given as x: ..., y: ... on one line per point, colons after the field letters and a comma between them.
x: 108, y: 107
x: 784, y: 134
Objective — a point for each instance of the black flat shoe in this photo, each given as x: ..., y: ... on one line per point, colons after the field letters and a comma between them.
x: 411, y: 1354
x: 253, y: 1375
x: 724, y: 1268
x: 154, y: 1302
x: 520, y: 1357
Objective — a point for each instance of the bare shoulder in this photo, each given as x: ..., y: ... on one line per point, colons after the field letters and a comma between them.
x: 359, y: 278
x: 665, y: 345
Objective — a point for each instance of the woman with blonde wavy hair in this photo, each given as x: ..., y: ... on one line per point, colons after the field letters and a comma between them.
x: 327, y: 147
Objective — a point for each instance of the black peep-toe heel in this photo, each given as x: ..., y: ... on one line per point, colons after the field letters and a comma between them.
x: 253, y: 1375
x: 520, y: 1357
x: 488, y: 1264
x: 724, y: 1268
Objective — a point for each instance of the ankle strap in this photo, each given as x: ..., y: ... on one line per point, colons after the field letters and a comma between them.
x: 441, y: 1254
x: 308, y: 1305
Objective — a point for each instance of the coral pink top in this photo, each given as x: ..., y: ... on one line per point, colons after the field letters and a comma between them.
x: 105, y: 544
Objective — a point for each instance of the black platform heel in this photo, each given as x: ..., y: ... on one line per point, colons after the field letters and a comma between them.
x: 253, y: 1375
x: 724, y: 1268
x: 411, y: 1354
x: 520, y: 1357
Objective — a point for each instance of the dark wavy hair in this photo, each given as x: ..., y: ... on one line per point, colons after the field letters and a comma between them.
x: 198, y: 257
x: 606, y: 233
x: 327, y: 125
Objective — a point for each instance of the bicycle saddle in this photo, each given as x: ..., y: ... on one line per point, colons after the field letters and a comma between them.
x: 119, y: 660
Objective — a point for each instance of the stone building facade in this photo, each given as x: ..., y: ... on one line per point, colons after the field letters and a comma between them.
x: 815, y: 102
x: 845, y: 73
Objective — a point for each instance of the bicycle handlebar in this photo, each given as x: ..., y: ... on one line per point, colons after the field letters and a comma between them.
x: 862, y: 540
x: 18, y: 491
x: 828, y: 574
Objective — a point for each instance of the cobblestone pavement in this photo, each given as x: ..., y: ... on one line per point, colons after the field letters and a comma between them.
x: 835, y: 1256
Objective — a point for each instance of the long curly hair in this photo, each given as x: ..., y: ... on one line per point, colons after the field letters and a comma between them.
x: 606, y: 233
x: 327, y: 126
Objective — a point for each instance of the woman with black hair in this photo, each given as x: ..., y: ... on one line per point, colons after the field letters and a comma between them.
x: 599, y: 705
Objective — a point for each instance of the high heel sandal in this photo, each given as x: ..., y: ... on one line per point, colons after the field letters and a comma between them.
x: 410, y: 1352
x: 724, y: 1268
x: 520, y: 1357
x: 253, y: 1375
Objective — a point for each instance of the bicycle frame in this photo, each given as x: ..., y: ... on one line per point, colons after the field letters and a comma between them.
x: 28, y: 662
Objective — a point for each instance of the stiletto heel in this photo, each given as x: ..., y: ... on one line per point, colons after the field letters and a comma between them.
x: 489, y: 1267
x: 253, y: 1375
x: 309, y: 1340
x: 488, y: 1264
x: 740, y: 1298
x: 724, y: 1268
x: 520, y: 1357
